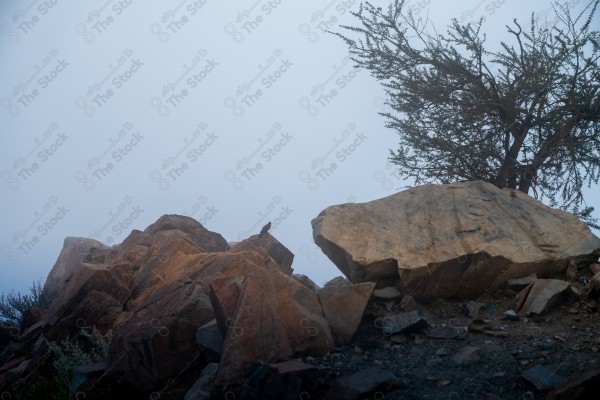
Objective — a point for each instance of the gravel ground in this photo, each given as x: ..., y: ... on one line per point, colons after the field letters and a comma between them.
x: 565, y: 340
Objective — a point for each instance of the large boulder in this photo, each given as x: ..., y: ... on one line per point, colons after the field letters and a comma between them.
x: 461, y: 239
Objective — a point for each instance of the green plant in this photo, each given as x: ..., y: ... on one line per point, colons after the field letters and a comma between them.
x: 55, y: 388
x: 524, y: 114
x: 14, y: 305
x: 136, y: 266
x: 68, y: 355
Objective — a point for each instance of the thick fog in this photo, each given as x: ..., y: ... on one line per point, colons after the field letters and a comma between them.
x: 236, y: 113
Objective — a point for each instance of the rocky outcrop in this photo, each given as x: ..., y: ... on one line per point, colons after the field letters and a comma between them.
x: 76, y: 254
x: 177, y: 296
x: 268, y: 244
x: 460, y: 239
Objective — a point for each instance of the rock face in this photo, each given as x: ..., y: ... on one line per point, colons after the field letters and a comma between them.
x: 459, y: 239
x: 76, y: 253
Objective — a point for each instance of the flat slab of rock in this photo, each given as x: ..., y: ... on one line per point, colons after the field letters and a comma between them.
x: 387, y: 293
x: 542, y: 378
x: 404, y: 322
x: 540, y: 296
x: 364, y: 381
x: 521, y: 283
x: 456, y: 240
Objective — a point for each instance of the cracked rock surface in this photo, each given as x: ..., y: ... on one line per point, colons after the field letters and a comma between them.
x: 455, y: 240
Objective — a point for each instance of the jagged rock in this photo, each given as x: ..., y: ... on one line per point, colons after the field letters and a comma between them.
x: 594, y: 268
x: 147, y: 350
x: 461, y: 239
x: 190, y: 229
x: 583, y: 385
x: 201, y: 388
x: 405, y: 322
x: 92, y: 297
x: 521, y: 283
x: 71, y: 259
x: 337, y: 282
x: 272, y: 247
x: 473, y: 308
x: 542, y: 378
x: 344, y: 307
x: 540, y: 296
x: 267, y: 316
x: 362, y: 382
x: 306, y: 281
x: 467, y: 355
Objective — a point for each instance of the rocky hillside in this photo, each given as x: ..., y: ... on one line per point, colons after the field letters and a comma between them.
x: 451, y: 291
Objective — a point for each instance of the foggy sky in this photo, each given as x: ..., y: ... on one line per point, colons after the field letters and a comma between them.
x: 115, y: 112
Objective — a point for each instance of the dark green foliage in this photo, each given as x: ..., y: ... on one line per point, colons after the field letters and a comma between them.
x: 14, y: 305
x: 524, y: 116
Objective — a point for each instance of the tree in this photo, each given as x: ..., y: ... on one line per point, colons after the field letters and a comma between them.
x: 14, y: 306
x: 525, y: 116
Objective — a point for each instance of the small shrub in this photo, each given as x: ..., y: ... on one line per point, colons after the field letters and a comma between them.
x: 14, y: 305
x: 68, y: 355
x: 136, y: 266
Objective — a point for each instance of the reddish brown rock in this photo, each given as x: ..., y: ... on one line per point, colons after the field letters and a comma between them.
x: 275, y: 319
x: 91, y: 297
x: 344, y: 307
x: 146, y: 351
x: 270, y: 247
x: 306, y: 281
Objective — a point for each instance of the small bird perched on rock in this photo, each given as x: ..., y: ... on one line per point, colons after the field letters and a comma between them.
x: 265, y: 229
